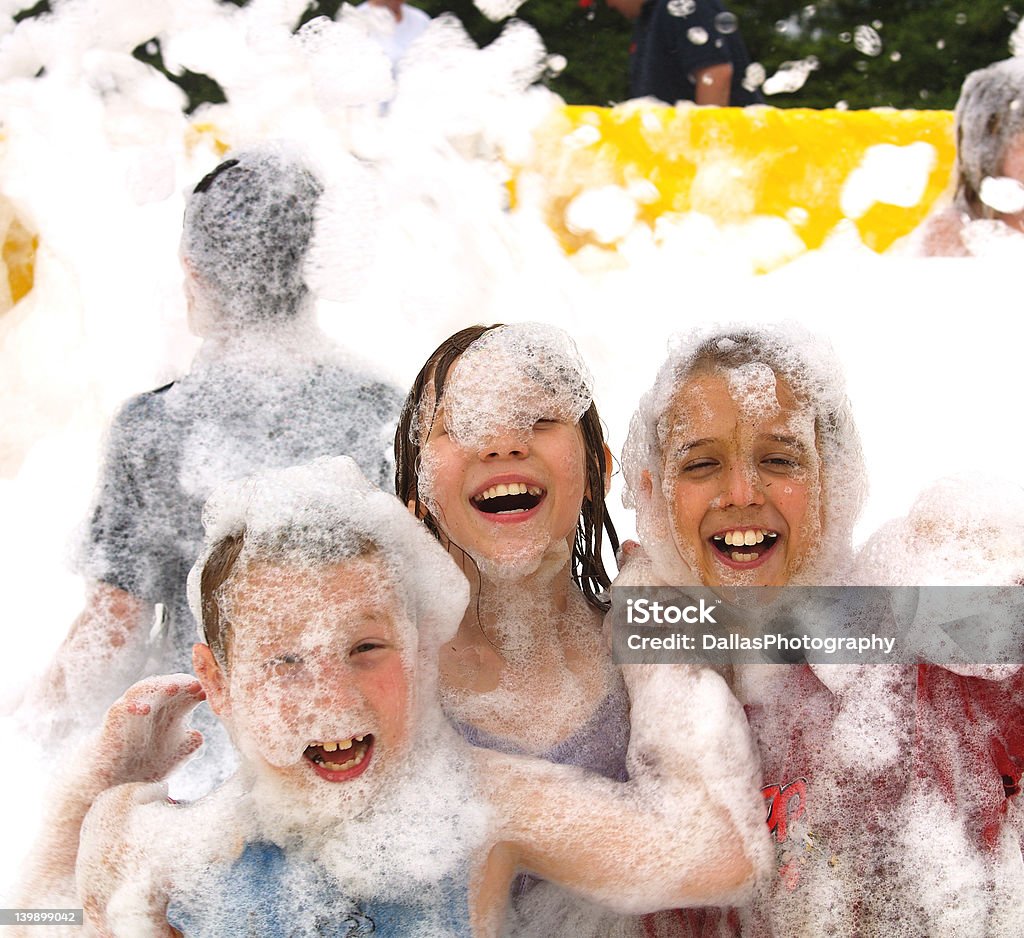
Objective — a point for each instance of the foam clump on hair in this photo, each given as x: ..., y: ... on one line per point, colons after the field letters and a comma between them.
x: 751, y: 357
x: 511, y: 378
x: 958, y: 532
x: 330, y: 505
x: 248, y: 227
x: 989, y: 115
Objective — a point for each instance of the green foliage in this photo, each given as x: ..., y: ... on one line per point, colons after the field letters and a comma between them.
x: 927, y: 47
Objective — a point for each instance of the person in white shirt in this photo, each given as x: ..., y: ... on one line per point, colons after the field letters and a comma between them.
x: 394, y: 26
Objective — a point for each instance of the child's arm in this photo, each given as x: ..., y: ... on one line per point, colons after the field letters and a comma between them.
x: 687, y: 829
x: 119, y: 892
x: 102, y: 654
x: 143, y: 738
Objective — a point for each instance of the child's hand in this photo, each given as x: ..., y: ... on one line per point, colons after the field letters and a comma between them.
x: 144, y: 734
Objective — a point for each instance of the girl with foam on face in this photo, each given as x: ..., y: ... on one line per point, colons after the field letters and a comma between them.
x: 986, y: 216
x: 500, y: 451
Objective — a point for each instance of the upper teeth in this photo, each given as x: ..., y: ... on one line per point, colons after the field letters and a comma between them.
x: 511, y: 488
x: 341, y: 743
x: 745, y: 538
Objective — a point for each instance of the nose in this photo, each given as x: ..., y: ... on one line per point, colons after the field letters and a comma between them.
x: 334, y: 689
x: 507, y: 445
x: 743, y: 486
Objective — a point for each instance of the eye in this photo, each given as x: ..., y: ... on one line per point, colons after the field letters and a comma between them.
x: 699, y: 467
x: 545, y: 422
x: 284, y: 665
x: 367, y: 646
x: 781, y: 462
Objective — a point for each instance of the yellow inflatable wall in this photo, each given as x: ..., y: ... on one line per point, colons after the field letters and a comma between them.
x: 728, y: 164
x: 733, y: 164
x: 17, y: 257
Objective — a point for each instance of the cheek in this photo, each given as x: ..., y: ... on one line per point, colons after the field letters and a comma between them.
x: 270, y: 712
x: 391, y: 687
x: 689, y: 503
x: 440, y: 473
x: 574, y: 468
x: 799, y: 502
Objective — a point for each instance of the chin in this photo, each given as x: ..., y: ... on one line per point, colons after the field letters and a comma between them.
x: 292, y: 805
x: 517, y: 561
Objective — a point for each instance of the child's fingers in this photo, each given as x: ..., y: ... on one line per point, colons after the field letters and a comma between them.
x: 192, y: 743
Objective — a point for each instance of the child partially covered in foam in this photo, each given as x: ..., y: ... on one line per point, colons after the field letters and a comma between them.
x: 745, y: 469
x: 955, y: 852
x: 356, y: 807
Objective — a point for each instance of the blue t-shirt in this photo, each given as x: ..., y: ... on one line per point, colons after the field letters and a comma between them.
x: 674, y: 39
x: 269, y: 892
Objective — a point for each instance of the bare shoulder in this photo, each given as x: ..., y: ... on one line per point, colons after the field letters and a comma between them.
x: 940, y: 235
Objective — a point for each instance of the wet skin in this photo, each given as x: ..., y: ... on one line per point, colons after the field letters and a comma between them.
x: 742, y: 468
x: 547, y: 459
x: 315, y: 663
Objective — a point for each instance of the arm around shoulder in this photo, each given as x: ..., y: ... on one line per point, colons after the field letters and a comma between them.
x: 120, y: 891
x: 687, y: 829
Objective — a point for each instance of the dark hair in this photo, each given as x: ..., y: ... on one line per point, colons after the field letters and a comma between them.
x: 587, y: 565
x: 248, y: 228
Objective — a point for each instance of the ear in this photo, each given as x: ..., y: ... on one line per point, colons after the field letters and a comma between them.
x: 213, y: 679
x: 646, y: 485
x: 419, y: 513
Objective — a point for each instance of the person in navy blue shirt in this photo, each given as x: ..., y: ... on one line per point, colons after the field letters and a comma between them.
x: 687, y: 50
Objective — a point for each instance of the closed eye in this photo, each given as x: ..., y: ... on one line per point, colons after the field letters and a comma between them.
x: 781, y: 462
x: 697, y: 465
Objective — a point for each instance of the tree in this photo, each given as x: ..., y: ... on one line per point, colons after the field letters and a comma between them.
x: 864, y: 53
x: 898, y: 53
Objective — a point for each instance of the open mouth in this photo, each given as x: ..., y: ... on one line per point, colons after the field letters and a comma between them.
x: 342, y: 759
x: 745, y: 545
x: 508, y: 498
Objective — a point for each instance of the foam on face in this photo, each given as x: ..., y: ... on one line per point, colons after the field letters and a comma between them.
x: 761, y: 403
x: 513, y: 382
x: 329, y: 640
x: 330, y: 501
x: 324, y: 525
x: 757, y: 363
x: 298, y: 632
x: 512, y: 378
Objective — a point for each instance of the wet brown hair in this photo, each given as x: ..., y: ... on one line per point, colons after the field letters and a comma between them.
x: 587, y: 565
x: 216, y: 570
